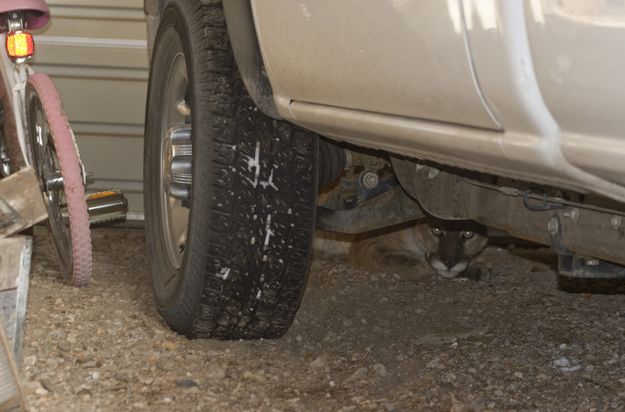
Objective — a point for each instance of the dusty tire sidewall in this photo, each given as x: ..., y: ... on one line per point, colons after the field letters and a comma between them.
x: 177, y: 304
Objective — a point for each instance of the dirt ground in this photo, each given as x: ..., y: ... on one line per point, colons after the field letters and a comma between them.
x: 398, y: 339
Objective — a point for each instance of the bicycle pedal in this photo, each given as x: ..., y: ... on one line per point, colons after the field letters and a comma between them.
x: 107, y: 207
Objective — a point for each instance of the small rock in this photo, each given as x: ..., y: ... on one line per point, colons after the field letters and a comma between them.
x: 35, y: 387
x: 216, y: 374
x: 186, y: 383
x: 318, y: 363
x: 254, y: 377
x: 90, y: 364
x: 358, y: 375
x: 170, y: 346
x: 380, y: 370
x: 389, y: 407
x: 518, y: 375
x: 459, y: 406
x: 433, y: 364
x: 566, y: 365
x: 30, y: 360
x: 83, y: 392
x: 41, y: 391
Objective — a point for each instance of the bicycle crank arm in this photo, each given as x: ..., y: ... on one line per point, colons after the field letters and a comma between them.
x: 107, y: 207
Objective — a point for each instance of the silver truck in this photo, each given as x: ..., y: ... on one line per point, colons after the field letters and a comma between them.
x: 508, y: 113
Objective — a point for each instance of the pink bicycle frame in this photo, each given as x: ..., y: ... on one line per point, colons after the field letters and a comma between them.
x: 16, y: 16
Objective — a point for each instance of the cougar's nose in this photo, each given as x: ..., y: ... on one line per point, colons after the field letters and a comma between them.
x: 449, y: 262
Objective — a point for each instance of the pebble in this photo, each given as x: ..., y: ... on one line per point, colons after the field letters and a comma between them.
x: 35, y: 387
x: 434, y: 364
x: 186, y: 383
x: 90, y: 364
x: 566, y: 365
x: 254, y: 377
x: 380, y: 370
x: 318, y: 363
x: 84, y: 391
x: 216, y: 374
x: 358, y: 375
x: 41, y: 391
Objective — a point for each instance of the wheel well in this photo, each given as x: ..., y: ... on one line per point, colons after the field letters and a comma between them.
x: 245, y: 48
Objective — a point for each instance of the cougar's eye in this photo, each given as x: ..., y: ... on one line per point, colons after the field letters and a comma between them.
x: 437, y: 231
x: 467, y: 234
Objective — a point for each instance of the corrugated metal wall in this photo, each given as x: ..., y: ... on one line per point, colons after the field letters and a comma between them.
x: 96, y: 52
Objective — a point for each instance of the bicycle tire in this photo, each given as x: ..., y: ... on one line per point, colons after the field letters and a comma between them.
x: 41, y: 89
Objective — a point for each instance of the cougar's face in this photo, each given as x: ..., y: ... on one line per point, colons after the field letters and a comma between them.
x: 450, y: 245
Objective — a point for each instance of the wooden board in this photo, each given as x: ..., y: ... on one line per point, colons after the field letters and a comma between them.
x: 21, y: 202
x: 15, y: 257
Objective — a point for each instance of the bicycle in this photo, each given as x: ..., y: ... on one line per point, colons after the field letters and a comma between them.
x: 35, y: 131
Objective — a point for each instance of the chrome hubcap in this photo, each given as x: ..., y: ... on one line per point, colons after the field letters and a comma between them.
x: 176, y: 160
x: 179, y: 185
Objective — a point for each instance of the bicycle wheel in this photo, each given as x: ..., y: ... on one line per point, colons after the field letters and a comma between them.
x: 56, y: 159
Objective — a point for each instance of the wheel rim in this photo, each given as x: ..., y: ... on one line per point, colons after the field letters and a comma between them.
x: 49, y: 170
x: 174, y: 184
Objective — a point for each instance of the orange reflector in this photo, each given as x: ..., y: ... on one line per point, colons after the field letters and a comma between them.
x: 20, y: 44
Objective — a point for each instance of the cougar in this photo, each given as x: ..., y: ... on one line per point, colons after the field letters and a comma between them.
x: 447, y: 246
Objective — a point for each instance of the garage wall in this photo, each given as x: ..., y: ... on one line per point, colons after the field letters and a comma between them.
x: 96, y: 52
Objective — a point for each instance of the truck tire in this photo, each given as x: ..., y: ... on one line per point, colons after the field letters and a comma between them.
x: 229, y: 193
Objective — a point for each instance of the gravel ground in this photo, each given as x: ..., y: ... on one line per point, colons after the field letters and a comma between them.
x: 364, y: 339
